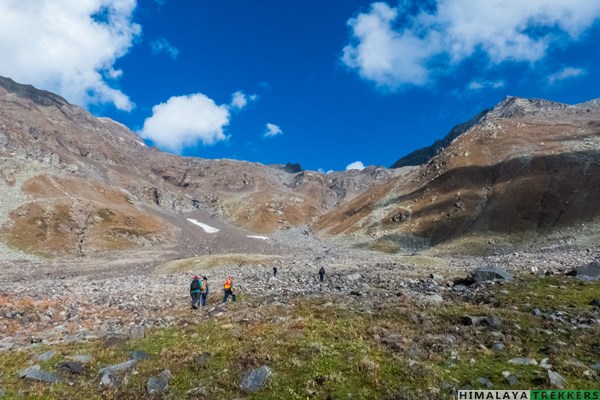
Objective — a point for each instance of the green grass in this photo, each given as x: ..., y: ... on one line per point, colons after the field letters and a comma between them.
x: 387, y: 352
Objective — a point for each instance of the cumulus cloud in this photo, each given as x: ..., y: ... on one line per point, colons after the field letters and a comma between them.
x: 394, y: 47
x: 68, y: 46
x: 186, y: 121
x: 479, y: 85
x: 162, y: 45
x: 355, y: 165
x: 240, y: 100
x: 566, y: 73
x: 272, y: 130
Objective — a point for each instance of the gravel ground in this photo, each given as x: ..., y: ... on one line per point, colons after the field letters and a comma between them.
x: 83, y: 299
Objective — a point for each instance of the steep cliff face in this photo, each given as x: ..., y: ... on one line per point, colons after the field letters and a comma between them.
x: 526, y: 169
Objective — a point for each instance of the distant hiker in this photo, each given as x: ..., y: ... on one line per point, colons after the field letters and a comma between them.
x: 228, y: 289
x: 322, y: 274
x: 204, y: 290
x: 195, y: 292
x: 275, y: 271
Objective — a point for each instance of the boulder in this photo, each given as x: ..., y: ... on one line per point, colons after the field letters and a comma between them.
x: 485, y: 274
x: 556, y: 380
x: 73, y: 368
x: 109, y: 379
x: 160, y: 383
x: 485, y: 382
x: 595, y: 302
x: 498, y: 346
x: 44, y: 356
x: 589, y: 272
x: 255, y: 379
x: 124, y: 366
x: 139, y: 355
x: 37, y: 375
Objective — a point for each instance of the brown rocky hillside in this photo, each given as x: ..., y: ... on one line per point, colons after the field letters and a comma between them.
x: 525, y: 172
x: 74, y: 184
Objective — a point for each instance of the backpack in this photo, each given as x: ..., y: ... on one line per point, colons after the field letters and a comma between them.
x: 195, y: 285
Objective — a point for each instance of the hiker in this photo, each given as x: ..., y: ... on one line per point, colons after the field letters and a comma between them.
x: 204, y: 290
x: 228, y: 289
x: 322, y: 274
x: 195, y: 292
x: 275, y: 271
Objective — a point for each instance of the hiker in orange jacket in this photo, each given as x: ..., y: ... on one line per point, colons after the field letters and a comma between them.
x: 228, y: 289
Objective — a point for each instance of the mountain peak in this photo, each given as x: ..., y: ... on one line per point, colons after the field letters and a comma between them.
x: 39, y: 97
x: 514, y: 107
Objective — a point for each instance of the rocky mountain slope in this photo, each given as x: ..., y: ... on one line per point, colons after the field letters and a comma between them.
x: 524, y: 172
x: 73, y: 184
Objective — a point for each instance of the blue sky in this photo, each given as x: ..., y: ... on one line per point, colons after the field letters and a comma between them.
x: 321, y: 83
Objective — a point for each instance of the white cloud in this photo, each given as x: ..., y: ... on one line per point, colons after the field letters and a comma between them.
x: 68, y: 46
x: 240, y: 100
x: 272, y: 130
x: 479, y: 85
x: 186, y: 121
x: 355, y: 165
x: 162, y: 45
x: 393, y: 48
x: 566, y: 73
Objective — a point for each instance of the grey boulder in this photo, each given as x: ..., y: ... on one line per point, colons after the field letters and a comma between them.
x: 160, y: 383
x: 255, y: 379
x: 37, y: 375
x: 485, y: 274
x: 589, y: 272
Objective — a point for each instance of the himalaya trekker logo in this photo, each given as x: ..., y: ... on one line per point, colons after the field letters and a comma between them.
x: 527, y: 395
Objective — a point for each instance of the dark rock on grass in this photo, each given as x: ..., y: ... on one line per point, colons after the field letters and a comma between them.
x: 356, y: 293
x: 37, y: 375
x: 595, y: 302
x: 470, y: 320
x: 536, y: 312
x: 255, y: 379
x: 511, y: 379
x: 556, y: 380
x: 491, y: 321
x: 160, y: 383
x: 485, y: 274
x: 72, y: 368
x: 203, y: 359
x: 139, y: 355
x: 589, y: 272
x: 485, y: 382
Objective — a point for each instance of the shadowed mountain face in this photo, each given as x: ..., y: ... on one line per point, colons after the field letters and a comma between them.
x: 74, y: 184
x: 523, y: 171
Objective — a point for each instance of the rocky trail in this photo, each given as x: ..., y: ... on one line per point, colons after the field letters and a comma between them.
x: 124, y: 298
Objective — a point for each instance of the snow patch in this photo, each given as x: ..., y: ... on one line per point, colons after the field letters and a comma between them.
x: 207, y: 228
x: 258, y: 237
